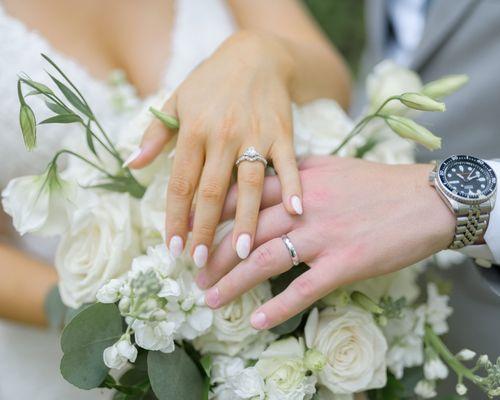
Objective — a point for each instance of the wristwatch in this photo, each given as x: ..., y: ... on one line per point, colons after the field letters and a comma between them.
x: 468, y: 187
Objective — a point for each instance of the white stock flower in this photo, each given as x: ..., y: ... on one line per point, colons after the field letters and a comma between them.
x: 248, y: 384
x: 446, y: 259
x: 354, y: 347
x: 435, y: 369
x: 389, y: 79
x: 224, y: 367
x: 117, y: 355
x: 41, y: 204
x: 320, y: 126
x: 110, y: 292
x: 282, y: 367
x: 99, y: 246
x: 437, y: 310
x: 155, y: 335
x: 426, y: 389
x: 466, y: 355
x: 231, y: 332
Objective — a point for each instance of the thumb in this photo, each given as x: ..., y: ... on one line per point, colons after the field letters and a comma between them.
x: 155, y: 137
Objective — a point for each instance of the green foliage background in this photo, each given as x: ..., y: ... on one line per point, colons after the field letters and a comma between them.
x: 343, y: 23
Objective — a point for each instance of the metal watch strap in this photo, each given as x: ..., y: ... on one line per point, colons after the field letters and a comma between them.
x: 472, y: 221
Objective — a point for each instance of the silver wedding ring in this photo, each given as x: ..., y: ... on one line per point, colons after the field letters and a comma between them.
x: 251, y: 155
x: 291, y: 249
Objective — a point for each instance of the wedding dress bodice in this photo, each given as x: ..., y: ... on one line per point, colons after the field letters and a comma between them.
x: 29, y: 359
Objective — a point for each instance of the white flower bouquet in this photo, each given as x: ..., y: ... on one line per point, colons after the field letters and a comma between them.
x: 133, y: 308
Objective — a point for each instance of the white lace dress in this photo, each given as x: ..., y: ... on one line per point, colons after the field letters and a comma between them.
x: 29, y: 358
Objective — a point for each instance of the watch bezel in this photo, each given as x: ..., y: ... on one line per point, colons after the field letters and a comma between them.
x: 446, y: 188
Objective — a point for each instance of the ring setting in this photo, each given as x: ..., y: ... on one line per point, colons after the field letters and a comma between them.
x: 291, y: 249
x: 252, y: 155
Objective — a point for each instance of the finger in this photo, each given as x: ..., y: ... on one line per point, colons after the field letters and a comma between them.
x: 155, y: 137
x: 250, y: 181
x: 273, y: 222
x: 209, y: 202
x: 284, y: 163
x: 268, y: 260
x: 271, y: 195
x: 186, y: 171
x: 309, y: 287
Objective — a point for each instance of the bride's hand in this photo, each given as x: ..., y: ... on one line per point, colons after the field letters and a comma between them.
x: 361, y: 220
x: 239, y: 97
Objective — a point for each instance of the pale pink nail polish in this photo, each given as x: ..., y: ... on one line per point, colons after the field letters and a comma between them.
x: 243, y: 245
x: 175, y: 246
x: 132, y: 157
x: 200, y: 255
x: 212, y: 297
x: 259, y: 320
x: 296, y: 204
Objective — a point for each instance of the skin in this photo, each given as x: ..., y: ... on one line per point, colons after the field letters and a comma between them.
x: 250, y: 82
x: 350, y: 230
x: 279, y: 55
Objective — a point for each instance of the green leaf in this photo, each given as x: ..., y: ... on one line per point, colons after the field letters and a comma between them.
x: 83, y: 342
x: 121, y: 184
x: 169, y: 121
x: 28, y: 126
x: 72, y: 97
x: 174, y: 376
x: 57, y: 108
x: 39, y: 87
x: 62, y: 119
x: 289, y: 325
x: 90, y: 139
x: 206, y: 363
x: 55, y: 310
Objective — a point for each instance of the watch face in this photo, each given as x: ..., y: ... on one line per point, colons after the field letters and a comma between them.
x: 467, y: 178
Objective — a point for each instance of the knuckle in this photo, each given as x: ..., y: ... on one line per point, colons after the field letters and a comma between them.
x: 211, y: 192
x: 263, y: 257
x: 180, y: 186
x: 204, y: 232
x: 304, y: 287
x: 227, y: 132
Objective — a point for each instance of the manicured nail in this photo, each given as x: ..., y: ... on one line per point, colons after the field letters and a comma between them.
x: 136, y: 153
x: 259, y: 320
x: 200, y: 255
x: 212, y: 297
x: 296, y: 204
x: 202, y: 280
x: 243, y: 245
x: 176, y: 245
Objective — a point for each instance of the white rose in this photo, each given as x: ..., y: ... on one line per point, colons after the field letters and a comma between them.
x: 320, y: 126
x: 155, y: 335
x: 41, y: 204
x: 98, y: 247
x: 231, y: 332
x: 117, y: 355
x: 389, y: 79
x: 282, y: 367
x: 354, y: 347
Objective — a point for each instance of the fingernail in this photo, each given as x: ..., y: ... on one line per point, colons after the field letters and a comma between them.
x: 212, y: 297
x: 296, y: 204
x: 259, y: 320
x: 202, y: 280
x: 243, y: 245
x: 200, y: 255
x: 136, y: 153
x: 176, y: 245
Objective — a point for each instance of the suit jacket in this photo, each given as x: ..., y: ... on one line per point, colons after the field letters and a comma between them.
x: 461, y: 36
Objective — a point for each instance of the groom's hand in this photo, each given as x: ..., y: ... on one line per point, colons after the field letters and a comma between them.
x: 360, y: 220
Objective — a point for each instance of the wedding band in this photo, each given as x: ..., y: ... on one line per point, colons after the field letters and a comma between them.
x: 291, y: 249
x: 251, y: 155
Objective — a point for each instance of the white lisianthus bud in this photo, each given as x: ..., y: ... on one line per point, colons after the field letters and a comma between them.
x: 314, y: 360
x: 461, y: 389
x: 421, y: 102
x: 409, y: 129
x: 483, y: 360
x: 110, y: 292
x: 445, y: 86
x: 117, y: 355
x: 466, y: 355
x: 426, y: 389
x: 435, y: 369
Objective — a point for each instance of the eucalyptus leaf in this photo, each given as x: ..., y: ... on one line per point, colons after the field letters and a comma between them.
x: 55, y: 310
x: 62, y: 119
x: 174, y: 376
x: 83, y: 342
x: 72, y: 97
x: 169, y: 121
x: 289, y: 325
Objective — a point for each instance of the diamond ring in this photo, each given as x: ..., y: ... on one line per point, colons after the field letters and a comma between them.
x: 251, y: 155
x: 291, y: 249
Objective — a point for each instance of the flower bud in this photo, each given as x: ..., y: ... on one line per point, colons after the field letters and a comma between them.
x: 421, y: 102
x: 314, y: 360
x: 425, y: 389
x: 445, y: 86
x: 466, y: 355
x: 461, y: 389
x: 408, y: 129
x: 366, y: 303
x: 483, y: 360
